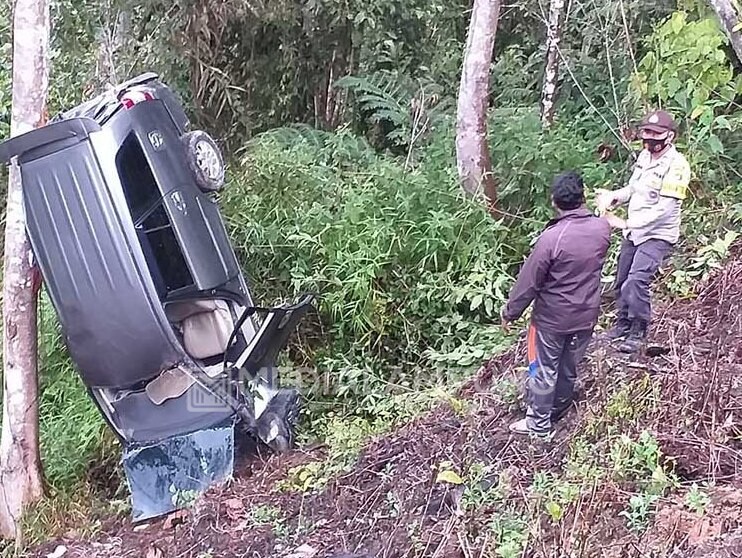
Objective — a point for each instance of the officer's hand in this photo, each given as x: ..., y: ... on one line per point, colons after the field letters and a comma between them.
x: 605, y: 200
x: 614, y: 221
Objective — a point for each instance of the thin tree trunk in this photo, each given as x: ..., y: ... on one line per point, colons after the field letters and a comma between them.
x: 731, y: 20
x: 111, y: 38
x: 551, y: 73
x: 472, y: 154
x: 21, y: 479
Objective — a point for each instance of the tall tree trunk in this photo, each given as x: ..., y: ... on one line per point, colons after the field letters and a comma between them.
x: 551, y: 73
x: 472, y: 154
x: 731, y: 20
x: 20, y: 465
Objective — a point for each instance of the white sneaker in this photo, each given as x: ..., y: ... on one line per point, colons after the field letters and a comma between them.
x: 521, y: 427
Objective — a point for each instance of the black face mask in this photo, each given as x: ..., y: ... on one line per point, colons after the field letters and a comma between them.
x: 655, y: 145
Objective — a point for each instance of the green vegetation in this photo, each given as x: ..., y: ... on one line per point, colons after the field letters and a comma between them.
x: 353, y: 194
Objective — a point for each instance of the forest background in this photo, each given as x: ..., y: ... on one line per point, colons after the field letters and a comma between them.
x: 338, y: 120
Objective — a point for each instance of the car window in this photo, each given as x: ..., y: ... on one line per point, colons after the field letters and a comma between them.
x: 140, y: 187
x: 161, y: 249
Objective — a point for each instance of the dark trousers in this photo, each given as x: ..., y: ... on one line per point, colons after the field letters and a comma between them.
x: 637, y: 266
x: 552, y: 371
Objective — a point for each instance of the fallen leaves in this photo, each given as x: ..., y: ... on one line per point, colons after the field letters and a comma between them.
x: 235, y: 509
x: 174, y: 519
x: 450, y: 477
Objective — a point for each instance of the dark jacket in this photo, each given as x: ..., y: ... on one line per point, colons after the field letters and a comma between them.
x: 562, y: 274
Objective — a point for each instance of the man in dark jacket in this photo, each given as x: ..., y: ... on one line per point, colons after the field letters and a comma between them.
x: 562, y: 278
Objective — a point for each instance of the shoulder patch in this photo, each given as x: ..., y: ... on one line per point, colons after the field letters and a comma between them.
x: 675, y: 183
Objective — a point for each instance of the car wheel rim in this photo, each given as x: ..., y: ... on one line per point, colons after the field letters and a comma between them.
x: 207, y: 160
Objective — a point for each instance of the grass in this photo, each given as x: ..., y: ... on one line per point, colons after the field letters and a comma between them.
x: 345, y: 435
x: 411, y: 277
x: 72, y: 431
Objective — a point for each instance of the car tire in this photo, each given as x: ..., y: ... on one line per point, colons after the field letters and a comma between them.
x: 204, y: 160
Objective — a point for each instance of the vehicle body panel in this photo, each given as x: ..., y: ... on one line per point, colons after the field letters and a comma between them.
x: 96, y: 278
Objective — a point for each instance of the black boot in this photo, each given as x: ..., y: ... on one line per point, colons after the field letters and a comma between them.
x: 562, y: 406
x: 620, y: 330
x: 636, y: 337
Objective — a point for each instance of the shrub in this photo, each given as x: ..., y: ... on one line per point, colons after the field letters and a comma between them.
x: 409, y: 271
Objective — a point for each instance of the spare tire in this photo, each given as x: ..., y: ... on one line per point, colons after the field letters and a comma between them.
x: 204, y: 160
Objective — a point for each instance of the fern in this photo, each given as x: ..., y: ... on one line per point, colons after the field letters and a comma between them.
x: 292, y: 135
x: 409, y: 107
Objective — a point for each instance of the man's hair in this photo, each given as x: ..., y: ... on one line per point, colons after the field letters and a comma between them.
x: 568, y: 191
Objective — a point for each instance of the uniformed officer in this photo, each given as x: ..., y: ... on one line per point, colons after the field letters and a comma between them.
x: 655, y: 193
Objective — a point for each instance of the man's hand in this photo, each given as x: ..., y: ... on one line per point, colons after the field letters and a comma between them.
x: 605, y: 200
x: 504, y: 322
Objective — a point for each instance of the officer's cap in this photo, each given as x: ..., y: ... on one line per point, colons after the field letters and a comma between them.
x: 658, y: 121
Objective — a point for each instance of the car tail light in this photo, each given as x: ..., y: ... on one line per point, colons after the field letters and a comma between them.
x: 132, y: 98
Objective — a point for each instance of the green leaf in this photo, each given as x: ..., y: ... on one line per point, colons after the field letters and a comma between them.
x: 659, y: 476
x: 476, y: 302
x: 451, y: 477
x: 554, y: 510
x: 723, y: 123
x: 677, y: 22
x: 698, y: 111
x: 673, y: 86
x: 715, y: 144
x: 737, y: 27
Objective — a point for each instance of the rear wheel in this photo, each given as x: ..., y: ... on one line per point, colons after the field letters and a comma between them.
x: 204, y: 160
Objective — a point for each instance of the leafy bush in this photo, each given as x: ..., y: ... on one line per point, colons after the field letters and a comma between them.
x: 388, y: 250
x: 411, y: 274
x: 688, y: 71
x: 72, y: 431
x: 526, y: 158
x: 687, y: 64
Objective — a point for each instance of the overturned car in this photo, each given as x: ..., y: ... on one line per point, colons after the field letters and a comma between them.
x: 121, y: 211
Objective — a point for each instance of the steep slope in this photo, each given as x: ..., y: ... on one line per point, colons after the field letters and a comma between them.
x: 618, y: 479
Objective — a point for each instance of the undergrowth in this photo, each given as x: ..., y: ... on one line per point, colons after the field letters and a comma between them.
x: 72, y: 430
x: 411, y: 274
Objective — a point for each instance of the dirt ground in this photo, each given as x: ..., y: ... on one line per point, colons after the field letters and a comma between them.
x: 687, y: 393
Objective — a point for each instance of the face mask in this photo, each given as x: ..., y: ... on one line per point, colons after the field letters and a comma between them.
x: 655, y: 145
